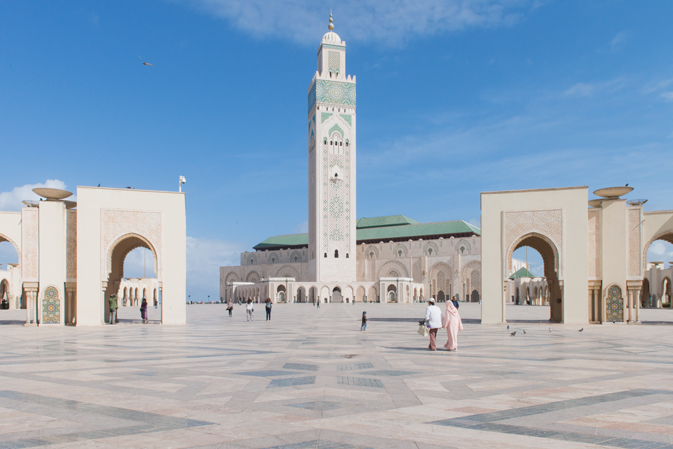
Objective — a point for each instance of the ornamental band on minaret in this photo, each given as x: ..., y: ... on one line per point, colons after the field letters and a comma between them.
x: 331, y: 143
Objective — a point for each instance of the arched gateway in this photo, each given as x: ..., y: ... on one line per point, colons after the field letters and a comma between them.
x: 71, y: 254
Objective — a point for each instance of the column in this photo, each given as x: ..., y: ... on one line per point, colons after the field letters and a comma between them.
x: 629, y: 294
x: 104, y: 309
x: 637, y: 293
x: 591, y: 304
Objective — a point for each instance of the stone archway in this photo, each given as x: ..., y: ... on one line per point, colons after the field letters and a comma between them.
x: 550, y: 259
x: 116, y: 256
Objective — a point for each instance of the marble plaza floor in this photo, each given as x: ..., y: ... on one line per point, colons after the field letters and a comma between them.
x: 310, y: 379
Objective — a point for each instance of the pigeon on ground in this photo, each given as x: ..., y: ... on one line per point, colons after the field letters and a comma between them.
x: 513, y: 333
x: 144, y: 63
x: 508, y: 327
x: 524, y: 331
x: 550, y: 329
x: 580, y: 330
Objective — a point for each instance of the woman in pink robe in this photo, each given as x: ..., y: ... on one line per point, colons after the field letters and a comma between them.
x: 453, y: 324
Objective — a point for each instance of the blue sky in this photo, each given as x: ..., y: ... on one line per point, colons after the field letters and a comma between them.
x: 455, y: 97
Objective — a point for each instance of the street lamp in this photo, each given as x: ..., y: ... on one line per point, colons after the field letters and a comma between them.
x: 181, y: 181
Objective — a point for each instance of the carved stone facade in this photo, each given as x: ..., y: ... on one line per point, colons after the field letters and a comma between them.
x: 71, y: 242
x: 117, y: 223
x: 635, y: 245
x: 594, y: 244
x: 29, y: 237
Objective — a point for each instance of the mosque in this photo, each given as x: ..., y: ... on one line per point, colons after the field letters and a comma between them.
x: 344, y: 259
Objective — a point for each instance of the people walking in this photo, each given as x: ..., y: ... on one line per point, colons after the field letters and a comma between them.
x: 318, y: 303
x: 433, y: 321
x: 452, y: 322
x: 455, y: 302
x: 143, y: 311
x: 230, y: 307
x: 364, y: 322
x: 249, y: 309
x: 112, y: 301
x: 268, y: 309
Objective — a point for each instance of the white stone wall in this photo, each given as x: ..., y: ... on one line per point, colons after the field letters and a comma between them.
x: 435, y: 267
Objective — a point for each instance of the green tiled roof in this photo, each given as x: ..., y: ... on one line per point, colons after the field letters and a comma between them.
x: 282, y: 241
x: 379, y: 222
x: 522, y: 273
x: 386, y: 231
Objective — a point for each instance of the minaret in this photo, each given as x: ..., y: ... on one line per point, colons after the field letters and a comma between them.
x: 331, y: 162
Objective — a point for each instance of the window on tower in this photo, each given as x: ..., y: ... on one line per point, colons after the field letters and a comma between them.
x: 336, y: 253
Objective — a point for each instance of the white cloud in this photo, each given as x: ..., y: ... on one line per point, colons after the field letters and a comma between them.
x: 660, y: 251
x: 136, y: 266
x: 12, y: 200
x: 390, y: 21
x: 204, y: 259
x: 668, y: 96
x: 589, y: 89
x: 620, y: 38
x: 301, y: 228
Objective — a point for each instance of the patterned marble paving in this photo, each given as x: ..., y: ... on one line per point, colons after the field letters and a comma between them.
x: 222, y: 382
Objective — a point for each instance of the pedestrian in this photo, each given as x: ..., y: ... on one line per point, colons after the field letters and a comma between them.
x: 113, y: 308
x: 318, y: 303
x: 143, y: 310
x: 249, y: 309
x: 230, y: 307
x: 455, y: 302
x: 452, y: 322
x: 364, y: 322
x: 433, y: 321
x: 268, y: 309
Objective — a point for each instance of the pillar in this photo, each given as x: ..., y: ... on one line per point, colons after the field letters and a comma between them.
x: 71, y: 303
x: 637, y: 293
x: 31, y: 289
x: 106, y: 305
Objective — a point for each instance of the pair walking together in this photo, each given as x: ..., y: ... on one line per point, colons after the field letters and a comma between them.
x: 450, y: 321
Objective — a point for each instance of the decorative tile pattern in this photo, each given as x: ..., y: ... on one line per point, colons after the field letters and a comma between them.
x: 51, y: 306
x: 354, y: 366
x: 292, y: 382
x: 300, y: 366
x: 331, y: 94
x: 359, y: 382
x: 614, y: 304
x: 266, y: 373
x: 317, y: 405
x: 332, y: 46
x: 347, y: 117
x: 336, y: 128
x: 324, y: 116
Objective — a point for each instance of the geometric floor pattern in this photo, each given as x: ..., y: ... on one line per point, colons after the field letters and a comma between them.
x: 311, y: 379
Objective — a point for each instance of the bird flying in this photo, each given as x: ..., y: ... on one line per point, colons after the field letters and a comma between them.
x: 144, y: 63
x: 513, y: 333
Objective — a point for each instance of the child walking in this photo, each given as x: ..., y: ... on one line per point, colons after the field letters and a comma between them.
x: 364, y: 321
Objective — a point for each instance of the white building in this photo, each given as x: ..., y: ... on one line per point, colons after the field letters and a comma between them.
x: 343, y: 259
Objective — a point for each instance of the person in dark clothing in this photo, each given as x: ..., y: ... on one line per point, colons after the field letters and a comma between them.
x: 364, y: 322
x: 455, y: 302
x: 143, y: 311
x: 268, y: 309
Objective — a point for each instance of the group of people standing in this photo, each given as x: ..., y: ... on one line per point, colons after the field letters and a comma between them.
x: 450, y: 320
x: 114, y: 305
x: 250, y: 309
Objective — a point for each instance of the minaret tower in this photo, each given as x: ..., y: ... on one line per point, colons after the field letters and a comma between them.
x: 331, y: 165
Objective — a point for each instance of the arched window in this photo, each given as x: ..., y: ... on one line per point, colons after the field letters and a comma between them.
x: 273, y: 260
x: 371, y: 255
x: 429, y: 251
x: 325, y: 255
x: 296, y: 258
x: 252, y: 261
x: 399, y: 253
x: 336, y: 253
x: 346, y: 255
